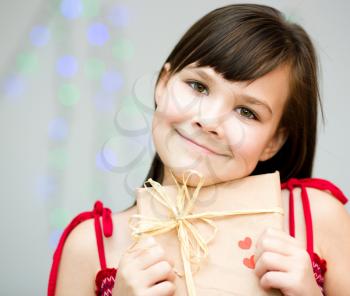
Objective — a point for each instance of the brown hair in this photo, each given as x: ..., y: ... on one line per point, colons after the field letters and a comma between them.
x: 244, y: 42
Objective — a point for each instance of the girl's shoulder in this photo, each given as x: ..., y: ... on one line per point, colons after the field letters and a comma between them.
x: 92, y: 241
x: 324, y: 198
x: 321, y: 197
x: 320, y: 215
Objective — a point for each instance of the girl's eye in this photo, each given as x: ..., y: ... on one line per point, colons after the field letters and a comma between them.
x: 247, y: 113
x: 199, y: 87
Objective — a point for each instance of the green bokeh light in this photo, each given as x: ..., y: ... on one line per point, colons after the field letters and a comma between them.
x: 91, y: 8
x: 94, y: 69
x: 58, y: 158
x: 59, y: 218
x: 68, y: 94
x: 123, y: 50
x: 27, y: 62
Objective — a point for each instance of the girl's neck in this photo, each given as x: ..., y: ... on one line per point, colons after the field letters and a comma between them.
x: 167, y: 179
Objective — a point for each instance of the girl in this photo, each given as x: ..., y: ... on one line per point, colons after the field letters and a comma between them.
x: 237, y: 96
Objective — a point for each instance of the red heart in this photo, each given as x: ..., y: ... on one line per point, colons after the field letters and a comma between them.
x: 249, y: 262
x: 246, y: 243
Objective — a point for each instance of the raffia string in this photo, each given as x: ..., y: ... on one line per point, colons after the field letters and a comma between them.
x: 194, y: 248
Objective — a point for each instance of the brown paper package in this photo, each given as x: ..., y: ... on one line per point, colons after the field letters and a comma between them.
x: 228, y: 269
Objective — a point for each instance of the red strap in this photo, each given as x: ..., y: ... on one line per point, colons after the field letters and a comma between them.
x: 303, y: 183
x: 107, y: 231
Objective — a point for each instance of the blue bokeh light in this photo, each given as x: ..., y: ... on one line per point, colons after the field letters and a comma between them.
x: 58, y: 129
x: 13, y: 86
x: 40, y: 36
x: 98, y: 34
x: 106, y: 159
x: 71, y: 9
x: 67, y: 66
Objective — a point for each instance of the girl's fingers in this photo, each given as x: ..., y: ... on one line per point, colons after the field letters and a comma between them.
x: 150, y: 256
x: 165, y: 288
x: 273, y: 240
x: 138, y: 246
x: 159, y: 272
x: 275, y: 279
x: 277, y: 233
x: 270, y: 261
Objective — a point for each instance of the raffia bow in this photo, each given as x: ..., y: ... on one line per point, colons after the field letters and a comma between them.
x: 194, y: 248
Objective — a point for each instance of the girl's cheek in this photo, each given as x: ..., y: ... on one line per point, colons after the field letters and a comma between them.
x: 179, y: 106
x: 237, y: 134
x: 242, y: 137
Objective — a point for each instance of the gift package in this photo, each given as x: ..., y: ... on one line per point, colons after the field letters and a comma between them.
x: 211, y: 231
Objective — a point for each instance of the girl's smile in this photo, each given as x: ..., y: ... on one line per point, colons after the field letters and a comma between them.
x: 192, y: 144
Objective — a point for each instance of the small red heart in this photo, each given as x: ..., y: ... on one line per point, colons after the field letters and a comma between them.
x: 246, y: 243
x: 249, y: 262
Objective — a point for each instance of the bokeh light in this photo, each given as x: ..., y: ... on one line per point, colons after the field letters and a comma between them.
x: 67, y: 66
x: 91, y: 8
x: 71, y: 9
x: 123, y: 50
x: 40, y: 36
x: 111, y: 81
x: 58, y: 129
x: 97, y: 34
x: 105, y: 159
x: 13, y: 86
x: 27, y: 62
x: 94, y: 69
x: 68, y: 94
x: 119, y: 16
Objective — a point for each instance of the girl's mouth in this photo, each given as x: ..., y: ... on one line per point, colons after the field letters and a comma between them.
x: 197, y: 146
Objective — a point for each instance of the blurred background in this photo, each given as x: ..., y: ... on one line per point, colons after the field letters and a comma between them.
x: 76, y: 101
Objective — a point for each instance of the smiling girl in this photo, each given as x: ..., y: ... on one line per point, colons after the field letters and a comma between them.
x: 237, y: 96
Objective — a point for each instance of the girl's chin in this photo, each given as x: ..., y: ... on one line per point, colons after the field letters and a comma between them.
x: 211, y: 174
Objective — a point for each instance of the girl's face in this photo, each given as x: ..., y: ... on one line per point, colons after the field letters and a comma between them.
x: 217, y: 127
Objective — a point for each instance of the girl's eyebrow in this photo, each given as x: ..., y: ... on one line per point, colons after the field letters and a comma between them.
x: 256, y: 101
x: 202, y: 73
x: 249, y: 99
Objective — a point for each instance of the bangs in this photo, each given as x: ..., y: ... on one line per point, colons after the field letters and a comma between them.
x: 240, y: 46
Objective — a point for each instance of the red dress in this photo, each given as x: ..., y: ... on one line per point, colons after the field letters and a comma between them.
x: 105, y: 278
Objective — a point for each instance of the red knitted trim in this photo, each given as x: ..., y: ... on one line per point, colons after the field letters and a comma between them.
x: 104, y: 281
x: 319, y: 266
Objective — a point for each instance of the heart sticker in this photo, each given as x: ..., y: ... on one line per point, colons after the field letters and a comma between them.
x: 249, y: 262
x: 246, y: 243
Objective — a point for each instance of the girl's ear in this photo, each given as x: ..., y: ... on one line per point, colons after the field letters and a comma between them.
x: 275, y: 144
x: 163, y: 80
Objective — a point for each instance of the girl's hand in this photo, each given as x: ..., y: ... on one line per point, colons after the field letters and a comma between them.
x: 283, y: 263
x: 145, y: 271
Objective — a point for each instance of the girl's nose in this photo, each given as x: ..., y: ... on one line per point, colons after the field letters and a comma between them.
x: 208, y: 128
x: 211, y: 118
x: 212, y: 125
